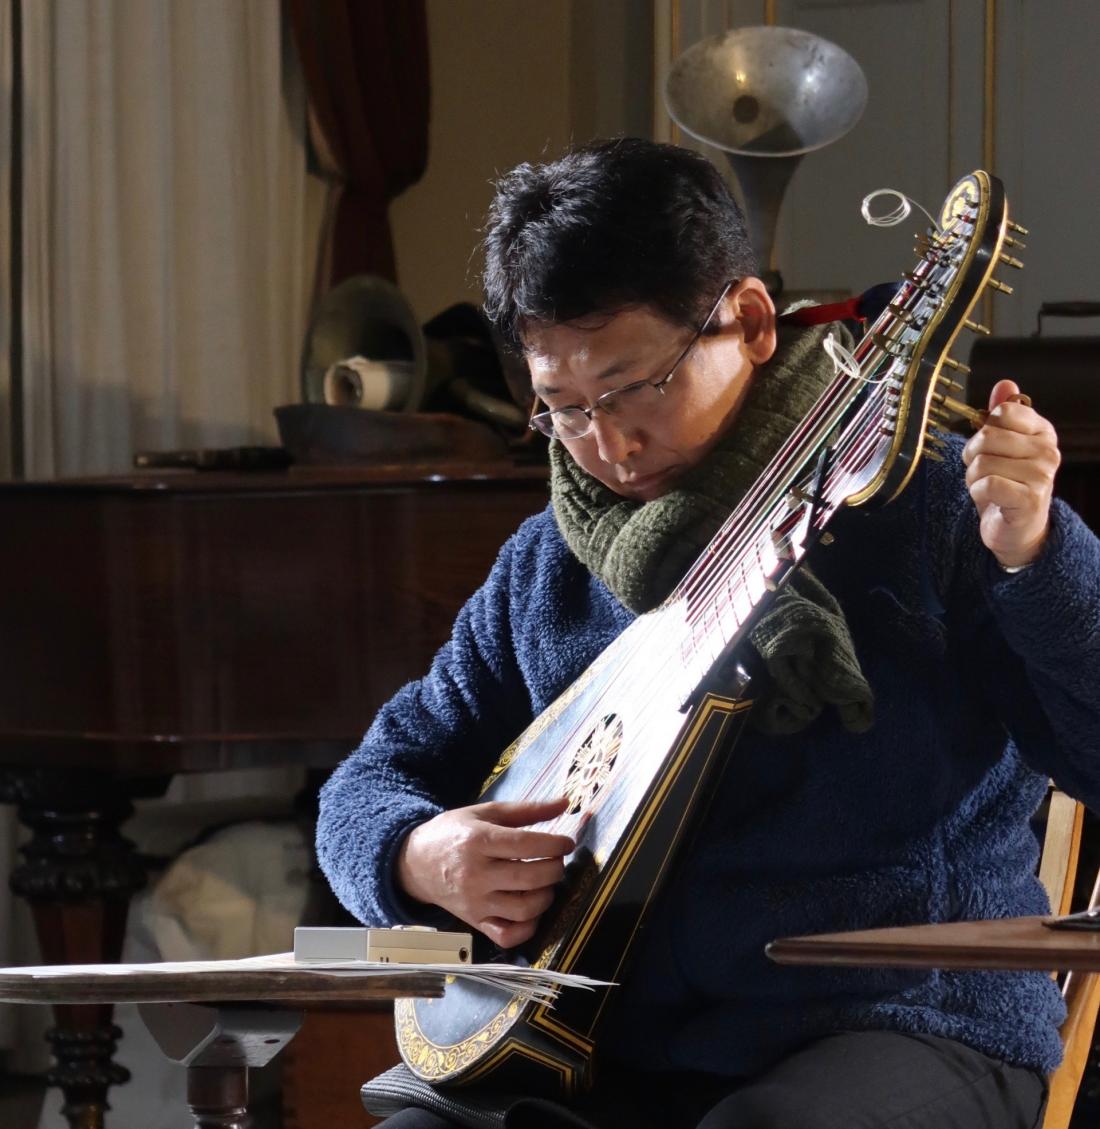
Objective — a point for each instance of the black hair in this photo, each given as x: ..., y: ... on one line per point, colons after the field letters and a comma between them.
x: 611, y: 225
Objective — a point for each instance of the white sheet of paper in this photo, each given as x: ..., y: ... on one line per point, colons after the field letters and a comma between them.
x: 532, y: 983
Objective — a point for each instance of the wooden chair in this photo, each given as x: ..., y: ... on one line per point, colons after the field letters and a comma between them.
x: 1081, y: 991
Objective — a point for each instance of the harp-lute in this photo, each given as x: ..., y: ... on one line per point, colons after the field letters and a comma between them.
x: 636, y: 739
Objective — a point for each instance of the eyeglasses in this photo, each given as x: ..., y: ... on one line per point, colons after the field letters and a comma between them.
x: 629, y: 403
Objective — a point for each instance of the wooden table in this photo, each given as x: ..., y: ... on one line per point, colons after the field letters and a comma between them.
x: 1010, y: 943
x: 217, y: 1023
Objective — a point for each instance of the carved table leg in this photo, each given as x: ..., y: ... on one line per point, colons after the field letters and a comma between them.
x: 217, y: 1044
x: 78, y: 875
x: 218, y: 1096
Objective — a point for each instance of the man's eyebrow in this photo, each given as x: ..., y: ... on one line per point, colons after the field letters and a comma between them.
x: 616, y: 368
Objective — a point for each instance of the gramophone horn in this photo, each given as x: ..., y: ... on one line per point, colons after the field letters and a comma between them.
x: 369, y: 321
x: 767, y: 96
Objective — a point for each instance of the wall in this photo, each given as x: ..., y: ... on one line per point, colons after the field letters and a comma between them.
x: 953, y: 86
x: 511, y: 81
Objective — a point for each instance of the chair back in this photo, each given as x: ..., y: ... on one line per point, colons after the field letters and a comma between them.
x: 1080, y: 990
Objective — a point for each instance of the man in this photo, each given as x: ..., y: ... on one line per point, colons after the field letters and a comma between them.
x: 878, y: 785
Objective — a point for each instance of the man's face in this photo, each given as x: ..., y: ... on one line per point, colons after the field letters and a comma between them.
x: 641, y: 457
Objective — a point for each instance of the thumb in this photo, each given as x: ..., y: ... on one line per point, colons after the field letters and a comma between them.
x: 1001, y: 391
x: 519, y: 813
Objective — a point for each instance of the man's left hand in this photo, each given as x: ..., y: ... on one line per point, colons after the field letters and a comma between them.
x: 1010, y: 467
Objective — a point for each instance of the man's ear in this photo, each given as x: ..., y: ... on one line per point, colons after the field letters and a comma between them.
x: 752, y: 306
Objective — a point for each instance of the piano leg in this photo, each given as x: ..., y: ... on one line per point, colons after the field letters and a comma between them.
x: 219, y: 1044
x: 78, y: 875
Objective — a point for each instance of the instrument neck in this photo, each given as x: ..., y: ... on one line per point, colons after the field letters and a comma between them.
x: 825, y: 460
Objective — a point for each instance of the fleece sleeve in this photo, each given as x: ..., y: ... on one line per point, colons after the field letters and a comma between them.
x: 429, y: 748
x: 1049, y: 617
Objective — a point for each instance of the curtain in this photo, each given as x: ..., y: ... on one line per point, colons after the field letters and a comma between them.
x: 7, y: 815
x: 365, y: 64
x: 169, y: 227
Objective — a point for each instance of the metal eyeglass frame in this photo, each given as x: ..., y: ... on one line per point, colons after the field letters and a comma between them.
x: 544, y: 421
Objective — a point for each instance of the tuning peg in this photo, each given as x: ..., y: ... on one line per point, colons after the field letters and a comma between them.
x: 889, y: 345
x: 934, y: 455
x: 1010, y: 261
x: 901, y: 313
x: 916, y: 280
x: 977, y: 327
x: 947, y: 382
x: 997, y: 285
x: 1017, y: 228
x: 1010, y: 242
x: 930, y: 248
x: 958, y: 366
x: 974, y: 416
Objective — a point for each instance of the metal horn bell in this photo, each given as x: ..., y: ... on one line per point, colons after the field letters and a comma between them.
x: 766, y: 96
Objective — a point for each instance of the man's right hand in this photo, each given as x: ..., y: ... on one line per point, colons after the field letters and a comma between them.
x: 486, y: 866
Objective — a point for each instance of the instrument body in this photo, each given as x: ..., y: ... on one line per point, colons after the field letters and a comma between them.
x: 636, y: 739
x: 624, y: 849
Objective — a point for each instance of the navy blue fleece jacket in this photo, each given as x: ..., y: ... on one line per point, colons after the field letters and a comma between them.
x: 986, y: 683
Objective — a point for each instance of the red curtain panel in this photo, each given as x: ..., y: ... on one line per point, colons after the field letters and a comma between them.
x: 365, y: 64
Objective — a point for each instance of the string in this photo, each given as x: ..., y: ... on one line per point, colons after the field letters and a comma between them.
x: 844, y: 361
x: 851, y: 434
x: 898, y: 215
x: 612, y: 804
x: 730, y: 530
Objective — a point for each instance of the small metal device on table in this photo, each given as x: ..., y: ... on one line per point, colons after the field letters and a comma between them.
x: 403, y: 944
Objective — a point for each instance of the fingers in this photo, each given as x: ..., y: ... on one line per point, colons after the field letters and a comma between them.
x: 1018, y: 417
x: 1010, y: 467
x: 512, y: 843
x: 1010, y: 496
x: 507, y: 834
x: 1017, y: 433
x: 1037, y: 472
x: 487, y: 866
x: 518, y: 905
x: 1001, y: 392
x: 506, y: 934
x: 521, y: 813
x: 528, y: 875
x: 514, y: 917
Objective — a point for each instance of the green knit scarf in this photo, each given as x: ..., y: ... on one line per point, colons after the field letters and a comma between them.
x: 641, y: 550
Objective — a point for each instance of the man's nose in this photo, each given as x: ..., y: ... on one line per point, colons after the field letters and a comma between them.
x: 615, y: 442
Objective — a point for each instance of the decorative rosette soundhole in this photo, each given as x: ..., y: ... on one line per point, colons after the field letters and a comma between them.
x: 962, y: 201
x: 590, y: 769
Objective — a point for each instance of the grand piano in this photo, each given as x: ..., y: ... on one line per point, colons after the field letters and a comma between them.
x: 168, y: 622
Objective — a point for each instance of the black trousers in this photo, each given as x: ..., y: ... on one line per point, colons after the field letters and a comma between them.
x: 852, y: 1080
